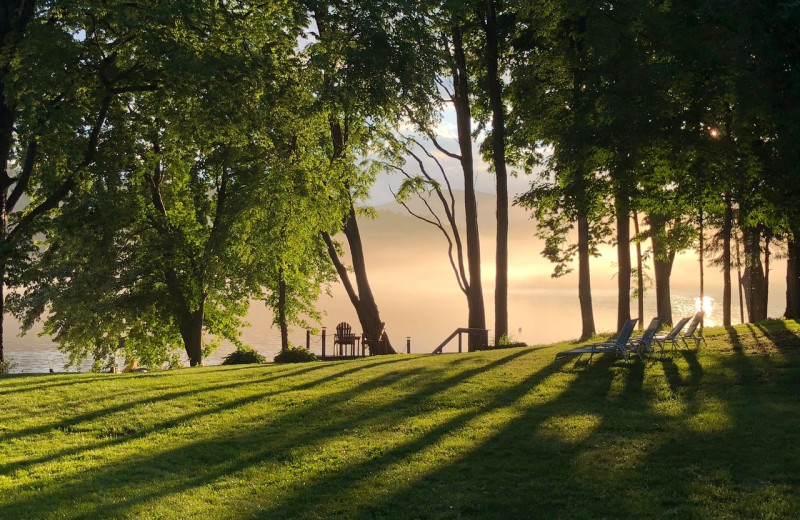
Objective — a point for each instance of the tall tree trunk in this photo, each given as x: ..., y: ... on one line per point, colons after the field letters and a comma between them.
x: 499, y: 161
x: 663, y: 259
x: 740, y: 278
x: 767, y: 240
x: 753, y: 276
x: 2, y: 308
x: 191, y: 328
x: 584, y: 282
x: 477, y: 314
x: 793, y: 278
x: 623, y: 260
x: 284, y: 326
x: 702, y: 271
x: 727, y: 226
x: 639, y: 271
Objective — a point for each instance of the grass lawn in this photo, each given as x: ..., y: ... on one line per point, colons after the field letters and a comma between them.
x: 708, y: 433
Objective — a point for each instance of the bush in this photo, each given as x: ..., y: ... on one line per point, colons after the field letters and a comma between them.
x: 7, y: 366
x: 295, y: 355
x: 244, y: 356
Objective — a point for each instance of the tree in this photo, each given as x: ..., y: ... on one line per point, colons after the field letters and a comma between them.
x: 371, y: 72
x: 164, y: 211
x: 56, y: 90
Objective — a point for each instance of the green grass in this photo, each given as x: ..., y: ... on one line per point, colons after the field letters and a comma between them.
x: 712, y: 433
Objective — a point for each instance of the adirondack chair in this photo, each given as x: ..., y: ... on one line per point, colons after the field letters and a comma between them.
x: 619, y: 346
x: 343, y: 337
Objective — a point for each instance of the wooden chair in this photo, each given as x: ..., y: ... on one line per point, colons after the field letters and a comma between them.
x: 344, y: 336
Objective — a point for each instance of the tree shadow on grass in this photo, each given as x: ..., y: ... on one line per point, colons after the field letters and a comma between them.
x: 580, y: 443
x: 627, y: 460
x: 231, y: 451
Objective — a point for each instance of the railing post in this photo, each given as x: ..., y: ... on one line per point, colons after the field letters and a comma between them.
x: 408, y: 344
x: 308, y: 339
x: 324, y: 333
x: 459, y: 342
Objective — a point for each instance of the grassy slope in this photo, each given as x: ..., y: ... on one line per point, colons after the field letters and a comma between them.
x: 504, y: 434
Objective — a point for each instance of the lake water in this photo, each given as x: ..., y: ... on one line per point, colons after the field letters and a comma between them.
x: 536, y: 316
x: 418, y: 296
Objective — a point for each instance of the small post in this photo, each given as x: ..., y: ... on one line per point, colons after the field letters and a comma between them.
x: 324, y: 333
x: 459, y: 342
x: 308, y: 339
x: 408, y: 344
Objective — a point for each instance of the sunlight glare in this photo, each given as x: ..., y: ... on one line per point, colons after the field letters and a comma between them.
x: 708, y: 308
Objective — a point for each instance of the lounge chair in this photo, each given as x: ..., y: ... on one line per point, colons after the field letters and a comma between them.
x: 693, y: 332
x: 620, y: 345
x: 672, y: 336
x: 645, y: 342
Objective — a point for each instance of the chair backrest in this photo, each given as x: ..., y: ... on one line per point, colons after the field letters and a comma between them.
x: 625, y: 333
x: 651, y: 330
x: 677, y: 328
x: 694, y: 324
x: 344, y: 330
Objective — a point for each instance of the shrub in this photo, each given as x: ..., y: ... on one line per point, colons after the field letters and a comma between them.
x: 244, y: 356
x: 295, y: 355
x: 7, y: 366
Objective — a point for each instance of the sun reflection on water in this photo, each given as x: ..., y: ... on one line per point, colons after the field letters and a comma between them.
x: 707, y: 307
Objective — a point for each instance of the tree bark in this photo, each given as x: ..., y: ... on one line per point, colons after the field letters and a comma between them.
x: 793, y: 278
x: 284, y: 326
x: 740, y: 278
x: 767, y: 240
x: 499, y: 161
x: 754, y: 282
x: 361, y: 295
x: 623, y: 260
x: 191, y: 328
x: 639, y: 271
x: 727, y: 226
x: 477, y: 314
x: 663, y: 259
x: 584, y: 281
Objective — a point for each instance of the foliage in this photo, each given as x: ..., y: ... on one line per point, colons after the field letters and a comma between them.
x: 159, y: 244
x: 244, y: 356
x: 6, y: 366
x: 295, y: 355
x: 387, y: 437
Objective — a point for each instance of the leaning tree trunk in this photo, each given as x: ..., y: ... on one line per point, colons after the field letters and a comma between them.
x: 477, y: 314
x: 361, y: 295
x: 584, y: 281
x: 793, y: 278
x: 623, y: 260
